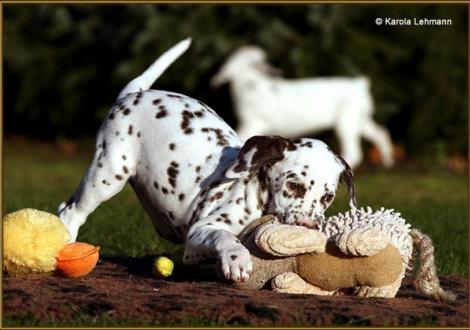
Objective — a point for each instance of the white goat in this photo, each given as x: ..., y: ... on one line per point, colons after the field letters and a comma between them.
x: 268, y: 104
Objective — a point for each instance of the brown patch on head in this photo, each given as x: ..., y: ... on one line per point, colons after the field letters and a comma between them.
x: 267, y: 150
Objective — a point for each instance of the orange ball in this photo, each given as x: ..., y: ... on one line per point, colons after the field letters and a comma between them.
x: 77, y: 259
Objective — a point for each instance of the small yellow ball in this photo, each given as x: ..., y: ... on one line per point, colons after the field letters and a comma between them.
x: 162, y: 267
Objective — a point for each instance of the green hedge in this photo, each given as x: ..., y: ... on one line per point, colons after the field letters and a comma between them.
x: 65, y: 64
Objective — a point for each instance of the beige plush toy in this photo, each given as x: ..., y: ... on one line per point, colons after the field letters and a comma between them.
x: 360, y: 252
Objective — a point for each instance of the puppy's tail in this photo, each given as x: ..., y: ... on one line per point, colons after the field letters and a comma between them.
x: 149, y: 76
x: 426, y: 277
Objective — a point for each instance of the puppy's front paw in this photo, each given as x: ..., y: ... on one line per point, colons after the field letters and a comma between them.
x: 236, y: 263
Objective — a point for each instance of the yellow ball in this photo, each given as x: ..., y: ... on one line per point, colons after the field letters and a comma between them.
x: 163, y: 267
x: 31, y: 241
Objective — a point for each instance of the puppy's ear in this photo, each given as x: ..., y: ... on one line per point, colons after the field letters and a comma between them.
x: 347, y: 176
x: 258, y: 151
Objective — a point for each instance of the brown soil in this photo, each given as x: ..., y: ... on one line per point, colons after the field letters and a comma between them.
x: 124, y: 289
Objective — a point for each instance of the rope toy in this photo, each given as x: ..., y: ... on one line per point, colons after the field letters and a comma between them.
x: 359, y: 252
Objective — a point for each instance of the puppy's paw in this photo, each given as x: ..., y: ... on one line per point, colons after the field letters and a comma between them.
x: 236, y: 263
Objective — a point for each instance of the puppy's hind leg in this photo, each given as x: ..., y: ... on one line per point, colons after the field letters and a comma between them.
x: 108, y: 173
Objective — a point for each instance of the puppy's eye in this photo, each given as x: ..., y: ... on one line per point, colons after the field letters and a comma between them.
x: 297, y: 189
x: 294, y: 186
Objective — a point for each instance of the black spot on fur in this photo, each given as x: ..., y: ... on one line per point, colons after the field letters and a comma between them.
x: 326, y: 199
x: 130, y: 130
x: 164, y: 190
x: 233, y: 257
x: 126, y: 111
x: 118, y: 177
x: 162, y: 113
x: 157, y: 101
x: 174, y: 96
x: 185, y: 122
x: 172, y: 146
x: 137, y: 98
x: 111, y: 116
x: 155, y: 184
x: 216, y: 196
x: 181, y: 197
x: 221, y: 138
x: 124, y: 168
x: 172, y: 172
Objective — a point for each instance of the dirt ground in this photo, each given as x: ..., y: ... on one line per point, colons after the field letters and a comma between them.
x: 124, y: 289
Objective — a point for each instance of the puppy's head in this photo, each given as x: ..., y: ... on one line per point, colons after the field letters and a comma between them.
x: 243, y: 58
x: 301, y: 176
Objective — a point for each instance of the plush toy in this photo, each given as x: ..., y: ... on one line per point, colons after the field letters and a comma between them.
x: 35, y: 242
x: 360, y: 252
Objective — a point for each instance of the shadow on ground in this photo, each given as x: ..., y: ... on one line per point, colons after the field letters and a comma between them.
x: 123, y: 289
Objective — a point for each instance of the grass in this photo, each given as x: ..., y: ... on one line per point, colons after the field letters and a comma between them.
x: 41, y: 175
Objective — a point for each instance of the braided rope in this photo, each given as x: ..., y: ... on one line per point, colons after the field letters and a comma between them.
x: 426, y: 278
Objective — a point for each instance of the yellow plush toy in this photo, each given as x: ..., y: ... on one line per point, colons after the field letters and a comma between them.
x: 31, y: 241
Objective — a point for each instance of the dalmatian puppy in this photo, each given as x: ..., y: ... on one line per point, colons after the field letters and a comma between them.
x: 196, y: 179
x: 268, y: 104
